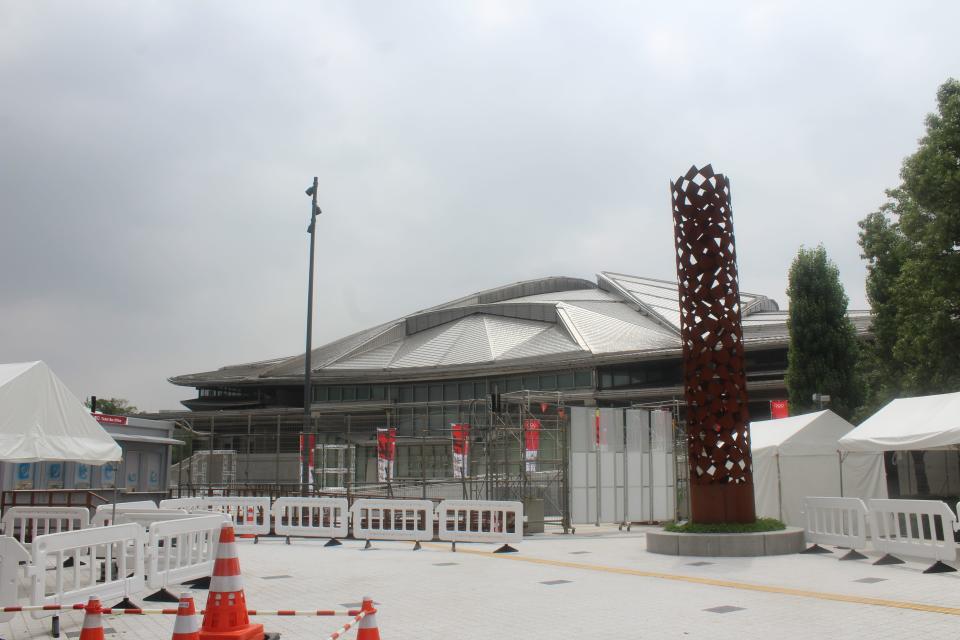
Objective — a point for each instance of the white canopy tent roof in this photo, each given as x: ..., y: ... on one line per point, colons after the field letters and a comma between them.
x: 909, y: 424
x: 40, y: 419
x: 800, y: 456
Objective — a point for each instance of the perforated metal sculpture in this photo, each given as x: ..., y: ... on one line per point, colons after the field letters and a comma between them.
x: 718, y: 436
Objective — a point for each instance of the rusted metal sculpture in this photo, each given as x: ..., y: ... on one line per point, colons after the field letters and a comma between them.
x: 718, y: 436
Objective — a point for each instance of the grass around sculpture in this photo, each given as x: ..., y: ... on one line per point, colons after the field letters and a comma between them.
x: 758, y: 526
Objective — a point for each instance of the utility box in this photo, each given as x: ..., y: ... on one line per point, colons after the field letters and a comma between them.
x: 533, y: 512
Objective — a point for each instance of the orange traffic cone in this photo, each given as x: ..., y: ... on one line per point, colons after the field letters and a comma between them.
x: 225, y: 616
x: 186, y: 626
x: 92, y: 624
x: 368, y: 629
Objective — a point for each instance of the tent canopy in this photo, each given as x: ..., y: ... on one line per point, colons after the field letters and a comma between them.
x: 909, y: 424
x: 800, y: 456
x: 40, y: 419
x: 810, y: 434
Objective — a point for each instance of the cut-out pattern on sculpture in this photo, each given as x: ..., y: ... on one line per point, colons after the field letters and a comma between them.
x: 718, y: 437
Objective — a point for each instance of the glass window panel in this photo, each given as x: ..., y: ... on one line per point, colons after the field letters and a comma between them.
x: 349, y: 393
x: 450, y: 391
x: 335, y: 394
x: 378, y: 392
x: 480, y: 389
x: 436, y: 393
x: 606, y: 380
x: 565, y: 381
x: 621, y: 379
x: 406, y: 393
x: 583, y: 378
x: 548, y: 382
x: 531, y: 382
x: 466, y: 391
x: 514, y: 384
x: 363, y: 392
x: 420, y: 393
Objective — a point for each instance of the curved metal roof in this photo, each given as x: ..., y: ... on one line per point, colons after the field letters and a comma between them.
x: 528, y: 323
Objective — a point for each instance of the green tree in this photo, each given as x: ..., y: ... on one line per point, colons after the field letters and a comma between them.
x: 912, y: 249
x: 113, y: 406
x: 823, y: 342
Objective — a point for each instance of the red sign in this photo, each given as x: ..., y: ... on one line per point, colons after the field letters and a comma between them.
x: 531, y: 434
x: 386, y: 443
x: 104, y: 418
x: 779, y: 409
x: 461, y: 438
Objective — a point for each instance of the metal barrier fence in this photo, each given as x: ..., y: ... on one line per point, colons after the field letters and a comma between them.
x: 480, y: 521
x: 311, y: 517
x: 25, y: 523
x: 107, y: 562
x: 393, y: 520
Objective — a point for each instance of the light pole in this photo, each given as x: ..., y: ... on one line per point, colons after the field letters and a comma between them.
x: 307, y: 391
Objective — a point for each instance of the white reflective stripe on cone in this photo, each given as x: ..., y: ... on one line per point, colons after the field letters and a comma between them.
x: 91, y: 621
x: 227, y: 550
x: 186, y: 624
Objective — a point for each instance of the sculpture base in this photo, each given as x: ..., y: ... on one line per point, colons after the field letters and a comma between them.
x: 720, y: 503
x: 719, y: 545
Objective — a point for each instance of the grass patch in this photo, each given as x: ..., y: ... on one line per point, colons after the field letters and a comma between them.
x: 762, y: 524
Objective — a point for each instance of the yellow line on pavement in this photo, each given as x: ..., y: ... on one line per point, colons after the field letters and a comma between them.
x: 730, y: 584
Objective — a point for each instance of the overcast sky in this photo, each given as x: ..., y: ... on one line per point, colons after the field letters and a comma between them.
x: 153, y: 157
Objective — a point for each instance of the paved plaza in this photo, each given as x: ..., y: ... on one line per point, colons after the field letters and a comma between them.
x: 597, y: 583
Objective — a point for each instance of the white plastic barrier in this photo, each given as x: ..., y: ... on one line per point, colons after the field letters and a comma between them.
x: 841, y: 522
x: 392, y: 519
x: 480, y: 521
x: 94, y: 552
x: 12, y: 553
x: 190, y: 504
x: 139, y: 505
x: 248, y: 515
x: 311, y: 517
x: 910, y: 527
x: 143, y: 518
x: 181, y: 550
x: 24, y: 523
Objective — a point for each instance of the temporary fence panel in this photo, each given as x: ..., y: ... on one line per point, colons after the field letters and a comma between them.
x: 392, y: 519
x: 181, y: 550
x: 25, y: 523
x: 137, y: 505
x: 480, y: 521
x: 249, y: 515
x: 922, y: 528
x: 107, y: 562
x: 311, y: 517
x: 841, y: 522
x: 12, y: 553
x: 190, y: 504
x: 143, y: 518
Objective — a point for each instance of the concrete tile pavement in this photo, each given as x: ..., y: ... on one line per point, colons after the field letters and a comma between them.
x: 551, y: 589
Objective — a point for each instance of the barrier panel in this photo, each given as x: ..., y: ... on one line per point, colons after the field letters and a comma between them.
x: 181, y: 550
x: 841, y: 522
x: 12, y: 553
x: 311, y: 517
x: 25, y: 523
x: 480, y: 521
x: 138, y: 505
x: 248, y: 515
x: 392, y: 519
x: 143, y: 518
x: 190, y: 504
x: 922, y: 528
x: 107, y: 562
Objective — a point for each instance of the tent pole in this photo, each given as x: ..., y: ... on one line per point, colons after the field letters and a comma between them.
x: 113, y: 515
x: 779, y: 489
x: 840, y: 457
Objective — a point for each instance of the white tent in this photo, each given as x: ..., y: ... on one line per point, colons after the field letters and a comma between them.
x: 41, y: 420
x: 799, y: 456
x: 909, y: 424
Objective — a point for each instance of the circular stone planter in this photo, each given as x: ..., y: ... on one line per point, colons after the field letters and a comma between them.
x: 764, y: 543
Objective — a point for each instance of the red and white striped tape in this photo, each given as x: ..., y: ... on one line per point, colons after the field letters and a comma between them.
x: 172, y: 612
x: 342, y: 630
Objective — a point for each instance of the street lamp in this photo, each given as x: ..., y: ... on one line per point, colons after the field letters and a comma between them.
x: 307, y: 391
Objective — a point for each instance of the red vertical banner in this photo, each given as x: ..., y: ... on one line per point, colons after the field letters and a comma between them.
x: 599, y: 433
x: 779, y: 409
x: 301, y: 458
x: 461, y: 449
x: 531, y: 442
x: 311, y: 462
x: 386, y: 453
